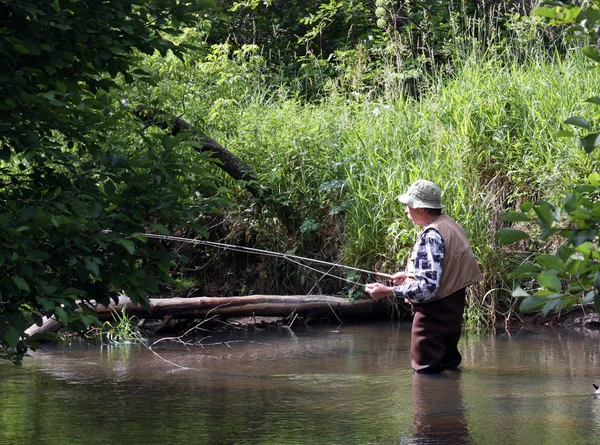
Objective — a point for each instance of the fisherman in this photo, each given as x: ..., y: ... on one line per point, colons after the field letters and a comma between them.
x: 439, y: 269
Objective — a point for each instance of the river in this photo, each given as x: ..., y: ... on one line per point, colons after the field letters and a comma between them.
x: 348, y: 384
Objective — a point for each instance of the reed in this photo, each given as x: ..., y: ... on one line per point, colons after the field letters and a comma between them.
x: 121, y: 331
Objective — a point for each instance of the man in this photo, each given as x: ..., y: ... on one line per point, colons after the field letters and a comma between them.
x: 439, y: 269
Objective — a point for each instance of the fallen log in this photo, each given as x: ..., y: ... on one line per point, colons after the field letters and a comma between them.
x: 230, y: 307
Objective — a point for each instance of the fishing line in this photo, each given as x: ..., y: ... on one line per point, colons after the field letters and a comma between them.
x: 287, y: 256
x: 324, y: 273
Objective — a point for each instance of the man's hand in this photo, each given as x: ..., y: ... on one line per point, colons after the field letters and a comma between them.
x: 378, y: 291
x: 399, y: 277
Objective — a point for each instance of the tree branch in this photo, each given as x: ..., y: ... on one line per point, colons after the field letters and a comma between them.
x: 230, y: 163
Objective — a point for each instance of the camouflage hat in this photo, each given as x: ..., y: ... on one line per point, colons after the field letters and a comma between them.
x: 422, y: 194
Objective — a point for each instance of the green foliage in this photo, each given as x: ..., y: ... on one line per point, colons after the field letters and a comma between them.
x: 78, y: 184
x: 572, y: 273
x: 583, y: 25
x: 122, y: 330
x: 81, y: 181
x: 482, y: 126
x: 210, y: 86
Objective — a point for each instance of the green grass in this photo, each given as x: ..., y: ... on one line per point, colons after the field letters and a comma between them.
x: 483, y: 127
x: 487, y: 136
x: 121, y: 330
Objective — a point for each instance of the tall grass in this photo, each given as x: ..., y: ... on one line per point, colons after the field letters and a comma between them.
x: 482, y: 126
x: 486, y: 135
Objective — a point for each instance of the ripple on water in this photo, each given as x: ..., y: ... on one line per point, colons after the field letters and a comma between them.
x: 353, y: 386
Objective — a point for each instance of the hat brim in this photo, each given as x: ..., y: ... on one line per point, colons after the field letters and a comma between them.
x: 408, y: 200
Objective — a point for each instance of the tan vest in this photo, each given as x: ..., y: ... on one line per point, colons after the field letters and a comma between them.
x: 460, y: 268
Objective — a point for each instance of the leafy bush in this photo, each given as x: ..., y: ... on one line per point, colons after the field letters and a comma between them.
x: 78, y: 184
x: 571, y: 274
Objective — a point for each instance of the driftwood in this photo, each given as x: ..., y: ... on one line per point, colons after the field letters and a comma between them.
x: 255, y: 305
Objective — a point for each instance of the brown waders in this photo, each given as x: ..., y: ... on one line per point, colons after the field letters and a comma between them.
x: 436, y: 329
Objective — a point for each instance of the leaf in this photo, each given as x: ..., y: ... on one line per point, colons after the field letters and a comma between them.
x: 531, y: 304
x: 550, y: 281
x: 564, y: 252
x: 160, y: 229
x: 572, y: 201
x: 92, y: 267
x: 514, y: 217
x: 201, y: 5
x: 20, y: 49
x: 507, y: 236
x: 593, y: 100
x: 588, y: 249
x: 551, y: 262
x: 564, y: 134
x: 164, y: 266
x: 544, y: 212
x: 109, y: 188
x: 201, y: 230
x: 594, y: 179
x: 72, y: 291
x: 170, y: 142
x: 12, y: 336
x: 47, y: 304
x: 43, y: 218
x: 96, y: 209
x: 590, y: 142
x: 550, y: 305
x: 526, y: 206
x: 61, y: 314
x: 578, y: 121
x: 38, y: 255
x: 596, y: 282
x: 21, y: 283
x: 545, y: 11
x: 589, y: 297
x: 591, y: 52
x: 526, y: 270
x: 29, y: 212
x: 579, y: 237
x: 88, y: 319
x: 139, y: 236
x: 128, y: 245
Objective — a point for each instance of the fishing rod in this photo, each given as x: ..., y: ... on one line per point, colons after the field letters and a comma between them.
x: 287, y: 256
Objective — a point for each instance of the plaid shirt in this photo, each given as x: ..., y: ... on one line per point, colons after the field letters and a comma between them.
x: 428, y: 269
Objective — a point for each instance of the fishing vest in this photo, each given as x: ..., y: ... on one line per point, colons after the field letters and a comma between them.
x: 459, y: 268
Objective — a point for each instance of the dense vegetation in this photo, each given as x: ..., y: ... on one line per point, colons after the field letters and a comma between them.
x: 336, y: 107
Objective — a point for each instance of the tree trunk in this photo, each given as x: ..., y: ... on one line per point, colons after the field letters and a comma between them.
x: 227, y: 307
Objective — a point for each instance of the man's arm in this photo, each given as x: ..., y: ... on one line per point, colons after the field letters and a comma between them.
x: 428, y: 270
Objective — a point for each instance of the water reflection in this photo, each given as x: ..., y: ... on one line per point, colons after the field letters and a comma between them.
x: 438, y: 410
x: 348, y: 386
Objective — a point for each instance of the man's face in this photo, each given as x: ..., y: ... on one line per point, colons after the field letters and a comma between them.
x: 417, y: 216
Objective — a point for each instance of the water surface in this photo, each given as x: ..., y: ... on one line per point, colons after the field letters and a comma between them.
x: 350, y: 384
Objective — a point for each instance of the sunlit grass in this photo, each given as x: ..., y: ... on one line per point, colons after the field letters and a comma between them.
x: 478, y: 117
x: 487, y: 136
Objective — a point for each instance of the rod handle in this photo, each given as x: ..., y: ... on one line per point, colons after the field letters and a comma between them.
x: 389, y: 277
